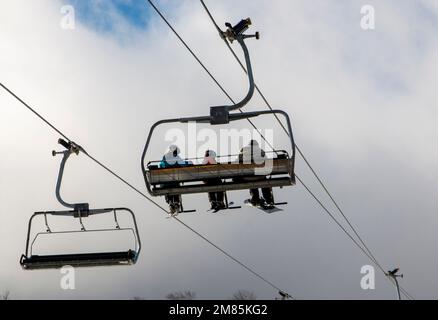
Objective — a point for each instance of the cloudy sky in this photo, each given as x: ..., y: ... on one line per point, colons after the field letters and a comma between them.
x: 363, y: 105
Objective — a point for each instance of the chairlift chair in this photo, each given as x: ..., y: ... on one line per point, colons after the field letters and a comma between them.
x: 190, y: 179
x: 80, y: 211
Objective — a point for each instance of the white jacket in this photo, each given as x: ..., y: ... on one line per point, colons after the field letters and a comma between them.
x: 252, y: 154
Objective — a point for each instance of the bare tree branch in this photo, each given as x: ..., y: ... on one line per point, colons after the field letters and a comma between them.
x: 5, y: 295
x: 180, y: 295
x: 244, y: 295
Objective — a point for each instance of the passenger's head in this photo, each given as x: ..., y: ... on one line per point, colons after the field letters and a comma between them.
x: 174, y: 150
x: 210, y: 154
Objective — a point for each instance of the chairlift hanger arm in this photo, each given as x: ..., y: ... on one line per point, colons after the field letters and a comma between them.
x: 71, y: 148
x: 250, y: 93
x: 237, y: 33
x: 221, y: 114
x: 66, y: 154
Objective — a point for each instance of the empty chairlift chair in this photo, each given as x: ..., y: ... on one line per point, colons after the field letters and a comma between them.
x: 81, y: 211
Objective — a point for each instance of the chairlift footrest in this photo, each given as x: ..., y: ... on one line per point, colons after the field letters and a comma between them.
x: 188, y: 211
x: 35, y: 262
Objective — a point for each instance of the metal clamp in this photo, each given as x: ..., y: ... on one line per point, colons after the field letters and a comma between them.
x: 233, y: 33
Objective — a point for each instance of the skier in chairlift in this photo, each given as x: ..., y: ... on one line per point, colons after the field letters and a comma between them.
x: 252, y: 153
x: 172, y: 159
x: 216, y: 198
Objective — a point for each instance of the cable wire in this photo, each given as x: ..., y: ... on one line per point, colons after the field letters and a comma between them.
x: 34, y: 112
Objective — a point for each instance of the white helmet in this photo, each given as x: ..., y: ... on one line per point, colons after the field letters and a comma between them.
x: 174, y: 149
x: 210, y: 153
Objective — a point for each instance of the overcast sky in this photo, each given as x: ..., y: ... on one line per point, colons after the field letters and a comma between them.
x: 363, y: 105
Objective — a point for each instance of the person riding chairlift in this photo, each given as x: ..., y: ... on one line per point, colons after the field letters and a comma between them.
x: 252, y: 153
x: 172, y: 159
x: 216, y: 198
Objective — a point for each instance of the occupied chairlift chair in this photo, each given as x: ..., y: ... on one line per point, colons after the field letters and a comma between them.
x: 191, y: 178
x: 30, y: 261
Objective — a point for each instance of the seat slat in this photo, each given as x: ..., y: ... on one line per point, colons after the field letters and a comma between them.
x: 222, y: 171
x: 227, y: 186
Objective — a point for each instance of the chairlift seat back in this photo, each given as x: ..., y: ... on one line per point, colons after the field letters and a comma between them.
x: 233, y: 176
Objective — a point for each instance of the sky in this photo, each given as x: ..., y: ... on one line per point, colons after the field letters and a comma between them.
x: 100, y: 15
x: 363, y: 110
